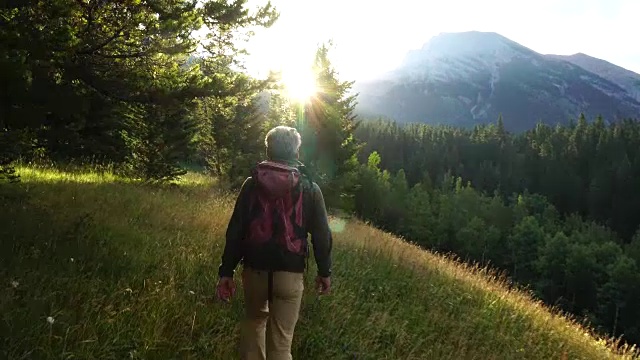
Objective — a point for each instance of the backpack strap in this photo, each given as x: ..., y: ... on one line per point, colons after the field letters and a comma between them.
x: 270, y: 287
x: 306, y: 186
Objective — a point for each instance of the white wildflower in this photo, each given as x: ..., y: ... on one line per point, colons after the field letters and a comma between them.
x: 191, y: 292
x: 72, y: 259
x: 50, y: 320
x: 14, y: 284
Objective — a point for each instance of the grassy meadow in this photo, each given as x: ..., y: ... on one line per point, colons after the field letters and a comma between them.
x: 97, y: 267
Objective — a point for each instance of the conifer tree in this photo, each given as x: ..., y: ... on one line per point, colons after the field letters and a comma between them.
x: 93, y: 79
x: 329, y: 146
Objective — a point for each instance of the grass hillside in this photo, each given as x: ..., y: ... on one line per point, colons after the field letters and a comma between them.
x: 93, y: 267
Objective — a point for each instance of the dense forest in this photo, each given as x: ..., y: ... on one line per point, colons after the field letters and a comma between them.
x: 588, y: 168
x: 552, y: 207
x: 131, y: 86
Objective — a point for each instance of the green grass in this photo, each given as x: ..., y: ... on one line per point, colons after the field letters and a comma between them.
x: 129, y: 270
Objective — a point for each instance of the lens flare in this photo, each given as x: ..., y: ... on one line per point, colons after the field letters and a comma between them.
x: 337, y: 225
x: 299, y: 84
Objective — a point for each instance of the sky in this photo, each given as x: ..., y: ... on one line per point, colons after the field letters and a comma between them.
x: 371, y: 37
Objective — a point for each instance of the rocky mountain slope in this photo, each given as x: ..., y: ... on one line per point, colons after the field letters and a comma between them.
x: 626, y: 79
x: 474, y: 77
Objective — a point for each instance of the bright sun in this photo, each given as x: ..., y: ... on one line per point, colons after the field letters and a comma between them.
x: 299, y: 83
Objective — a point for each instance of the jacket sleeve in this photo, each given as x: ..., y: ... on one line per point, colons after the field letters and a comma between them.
x: 235, y: 232
x: 321, y: 237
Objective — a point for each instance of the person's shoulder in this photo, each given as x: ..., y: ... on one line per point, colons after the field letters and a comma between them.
x: 314, y: 189
x: 247, y: 184
x: 308, y: 185
x: 249, y: 180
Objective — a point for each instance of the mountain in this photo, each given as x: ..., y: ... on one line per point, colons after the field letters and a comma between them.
x: 474, y: 77
x: 624, y: 78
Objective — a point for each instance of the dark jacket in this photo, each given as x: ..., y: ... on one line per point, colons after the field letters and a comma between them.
x: 315, y: 223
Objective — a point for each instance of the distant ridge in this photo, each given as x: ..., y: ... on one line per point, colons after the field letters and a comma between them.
x: 473, y: 77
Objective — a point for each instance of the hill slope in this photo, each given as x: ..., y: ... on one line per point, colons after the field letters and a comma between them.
x: 128, y: 271
x: 626, y: 79
x: 468, y: 78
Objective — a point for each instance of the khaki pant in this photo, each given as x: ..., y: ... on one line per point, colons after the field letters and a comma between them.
x: 267, y: 331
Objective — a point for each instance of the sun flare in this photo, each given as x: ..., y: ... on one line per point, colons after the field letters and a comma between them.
x: 299, y: 84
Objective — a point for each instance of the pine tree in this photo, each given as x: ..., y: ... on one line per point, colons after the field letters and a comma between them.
x: 8, y: 154
x: 160, y: 136
x: 281, y: 111
x: 76, y: 73
x: 327, y: 126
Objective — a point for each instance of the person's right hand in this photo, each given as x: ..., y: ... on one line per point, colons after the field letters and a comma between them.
x: 323, y: 285
x: 226, y: 288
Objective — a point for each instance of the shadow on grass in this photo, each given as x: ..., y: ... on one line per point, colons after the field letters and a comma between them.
x: 106, y: 270
x: 49, y: 238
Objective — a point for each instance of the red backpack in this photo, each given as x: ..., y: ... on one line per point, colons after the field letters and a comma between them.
x: 277, y: 208
x: 276, y: 226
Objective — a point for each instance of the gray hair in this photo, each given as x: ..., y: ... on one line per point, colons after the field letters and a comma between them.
x: 283, y: 143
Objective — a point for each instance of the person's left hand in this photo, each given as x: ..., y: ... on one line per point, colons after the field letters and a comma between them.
x: 226, y: 288
x: 323, y: 285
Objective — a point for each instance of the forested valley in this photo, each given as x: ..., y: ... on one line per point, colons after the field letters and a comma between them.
x: 128, y: 87
x: 555, y: 208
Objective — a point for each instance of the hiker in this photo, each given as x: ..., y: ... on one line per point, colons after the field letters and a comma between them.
x: 278, y: 206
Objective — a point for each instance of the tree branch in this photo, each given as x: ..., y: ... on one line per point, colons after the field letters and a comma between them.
x: 121, y: 56
x: 89, y: 19
x: 103, y: 44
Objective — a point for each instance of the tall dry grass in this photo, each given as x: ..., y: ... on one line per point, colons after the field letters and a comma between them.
x: 93, y: 266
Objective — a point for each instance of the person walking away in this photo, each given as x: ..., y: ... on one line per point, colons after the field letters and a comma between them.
x: 277, y: 208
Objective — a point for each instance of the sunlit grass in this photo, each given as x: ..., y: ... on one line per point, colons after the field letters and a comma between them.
x: 50, y: 175
x: 93, y: 266
x: 196, y: 179
x: 47, y: 174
